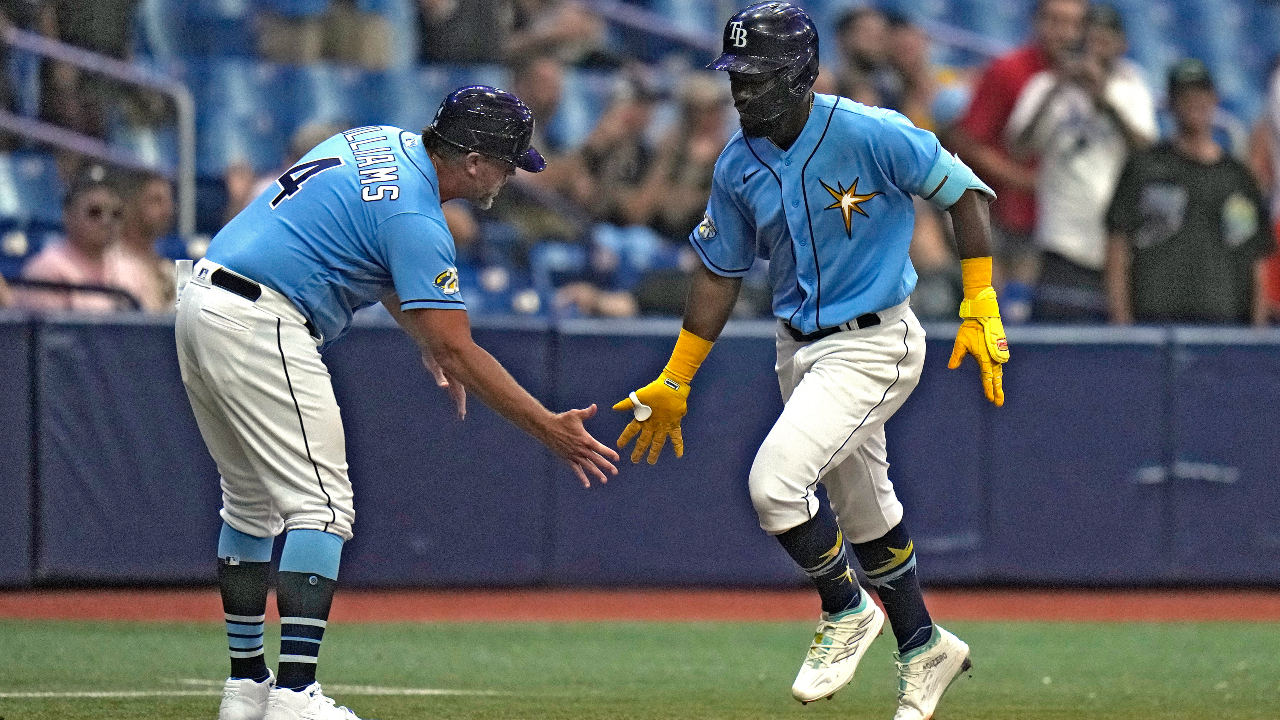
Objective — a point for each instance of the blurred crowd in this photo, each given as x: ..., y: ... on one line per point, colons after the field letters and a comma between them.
x: 1116, y: 203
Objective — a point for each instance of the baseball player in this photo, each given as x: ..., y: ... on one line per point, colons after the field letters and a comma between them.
x: 356, y: 221
x: 821, y: 186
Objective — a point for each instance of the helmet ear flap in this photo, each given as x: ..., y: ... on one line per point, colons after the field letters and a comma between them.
x: 807, y: 76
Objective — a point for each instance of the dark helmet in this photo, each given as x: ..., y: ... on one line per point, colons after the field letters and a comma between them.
x: 772, y: 37
x: 492, y: 122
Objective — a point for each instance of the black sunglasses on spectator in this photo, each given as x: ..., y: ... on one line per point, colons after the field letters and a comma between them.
x: 95, y: 212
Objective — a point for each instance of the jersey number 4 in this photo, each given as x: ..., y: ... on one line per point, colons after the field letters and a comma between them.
x: 293, y: 178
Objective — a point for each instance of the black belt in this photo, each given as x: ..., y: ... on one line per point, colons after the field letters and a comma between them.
x: 245, y: 288
x: 860, y: 322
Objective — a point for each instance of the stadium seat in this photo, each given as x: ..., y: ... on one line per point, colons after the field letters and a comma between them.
x: 237, y: 114
x: 294, y: 8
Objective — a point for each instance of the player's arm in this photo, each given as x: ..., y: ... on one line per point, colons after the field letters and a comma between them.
x: 658, y: 407
x: 447, y: 334
x: 724, y: 242
x: 981, y: 331
x: 951, y: 186
x: 453, y: 386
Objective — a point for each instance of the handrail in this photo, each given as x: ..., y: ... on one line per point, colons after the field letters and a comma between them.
x: 116, y: 293
x: 658, y: 25
x: 184, y: 105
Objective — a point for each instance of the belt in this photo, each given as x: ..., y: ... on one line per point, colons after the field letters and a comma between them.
x: 858, y: 323
x: 245, y: 288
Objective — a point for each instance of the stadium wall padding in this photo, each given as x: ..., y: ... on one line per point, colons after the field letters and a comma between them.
x: 1123, y: 456
x: 15, y: 449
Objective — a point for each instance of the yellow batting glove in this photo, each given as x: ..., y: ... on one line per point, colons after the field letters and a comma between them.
x: 658, y: 407
x: 982, y: 332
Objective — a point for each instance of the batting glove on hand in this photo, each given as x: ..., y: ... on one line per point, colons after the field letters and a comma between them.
x: 982, y: 336
x: 657, y: 409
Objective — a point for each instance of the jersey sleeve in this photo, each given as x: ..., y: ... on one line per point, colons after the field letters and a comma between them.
x: 725, y: 239
x: 420, y: 255
x: 917, y: 163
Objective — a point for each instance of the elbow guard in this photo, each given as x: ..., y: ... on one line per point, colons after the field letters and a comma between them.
x: 948, y: 180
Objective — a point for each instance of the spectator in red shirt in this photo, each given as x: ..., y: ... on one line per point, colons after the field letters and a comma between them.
x: 1058, y: 30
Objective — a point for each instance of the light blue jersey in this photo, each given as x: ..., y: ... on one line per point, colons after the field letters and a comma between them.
x: 357, y: 217
x: 833, y: 214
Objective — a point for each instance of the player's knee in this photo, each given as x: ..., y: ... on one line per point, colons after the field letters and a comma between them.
x: 779, y: 503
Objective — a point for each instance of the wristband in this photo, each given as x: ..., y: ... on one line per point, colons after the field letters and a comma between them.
x: 687, y: 356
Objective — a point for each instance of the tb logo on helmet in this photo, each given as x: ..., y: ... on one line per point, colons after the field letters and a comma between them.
x: 738, y: 34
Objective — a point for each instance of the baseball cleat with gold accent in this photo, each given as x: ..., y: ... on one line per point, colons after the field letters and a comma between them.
x: 925, y: 673
x: 840, y: 642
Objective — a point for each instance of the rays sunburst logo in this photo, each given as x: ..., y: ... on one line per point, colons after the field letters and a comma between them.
x: 848, y: 202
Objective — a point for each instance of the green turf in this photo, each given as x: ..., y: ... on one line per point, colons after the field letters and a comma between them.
x: 652, y: 670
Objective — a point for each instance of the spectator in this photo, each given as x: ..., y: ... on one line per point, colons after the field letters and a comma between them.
x: 674, y: 193
x: 342, y: 32
x: 1188, y: 225
x: 539, y: 206
x: 6, y: 294
x: 566, y: 28
x: 91, y: 215
x: 148, y: 217
x: 862, y: 35
x: 465, y: 31
x: 615, y: 156
x: 931, y: 97
x: 979, y: 138
x: 1082, y: 120
x: 1265, y: 156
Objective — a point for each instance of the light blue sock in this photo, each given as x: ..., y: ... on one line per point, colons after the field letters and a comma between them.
x: 242, y: 547
x: 314, y: 552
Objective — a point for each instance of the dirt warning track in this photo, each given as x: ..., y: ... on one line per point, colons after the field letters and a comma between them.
x: 194, y: 605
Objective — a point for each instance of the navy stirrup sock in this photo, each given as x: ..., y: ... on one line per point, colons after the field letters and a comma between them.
x: 304, y: 592
x: 244, y: 564
x: 817, y: 546
x: 890, y: 565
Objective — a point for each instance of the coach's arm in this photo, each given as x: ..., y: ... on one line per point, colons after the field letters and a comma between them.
x: 458, y: 363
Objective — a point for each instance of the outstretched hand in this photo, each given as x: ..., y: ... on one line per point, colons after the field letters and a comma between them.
x: 568, y: 439
x: 656, y: 412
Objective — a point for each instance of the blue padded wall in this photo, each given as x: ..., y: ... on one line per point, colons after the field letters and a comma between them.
x: 1225, y: 483
x: 936, y: 465
x: 1080, y: 423
x: 15, y: 449
x: 439, y: 501
x: 127, y: 492
x: 683, y: 522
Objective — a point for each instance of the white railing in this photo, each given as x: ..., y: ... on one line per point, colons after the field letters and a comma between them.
x: 185, y: 172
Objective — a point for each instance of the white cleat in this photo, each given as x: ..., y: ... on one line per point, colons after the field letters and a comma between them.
x: 841, y: 641
x: 244, y: 699
x: 308, y: 703
x: 925, y: 673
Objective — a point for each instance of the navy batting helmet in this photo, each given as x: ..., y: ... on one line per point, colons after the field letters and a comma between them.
x: 492, y: 122
x: 771, y: 37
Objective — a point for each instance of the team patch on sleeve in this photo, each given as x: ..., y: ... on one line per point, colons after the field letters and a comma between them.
x: 447, y: 281
x: 707, y: 228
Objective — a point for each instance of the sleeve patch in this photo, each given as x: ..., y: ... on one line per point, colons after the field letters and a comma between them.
x: 707, y: 228
x: 447, y: 281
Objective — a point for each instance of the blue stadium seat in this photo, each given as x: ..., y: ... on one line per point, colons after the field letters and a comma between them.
x: 196, y: 28
x: 30, y: 206
x: 237, y: 114
x: 40, y: 189
x: 586, y: 97
x: 320, y: 93
x: 294, y: 8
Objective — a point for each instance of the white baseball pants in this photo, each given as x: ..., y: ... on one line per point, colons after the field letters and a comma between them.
x: 264, y: 402
x: 839, y: 391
